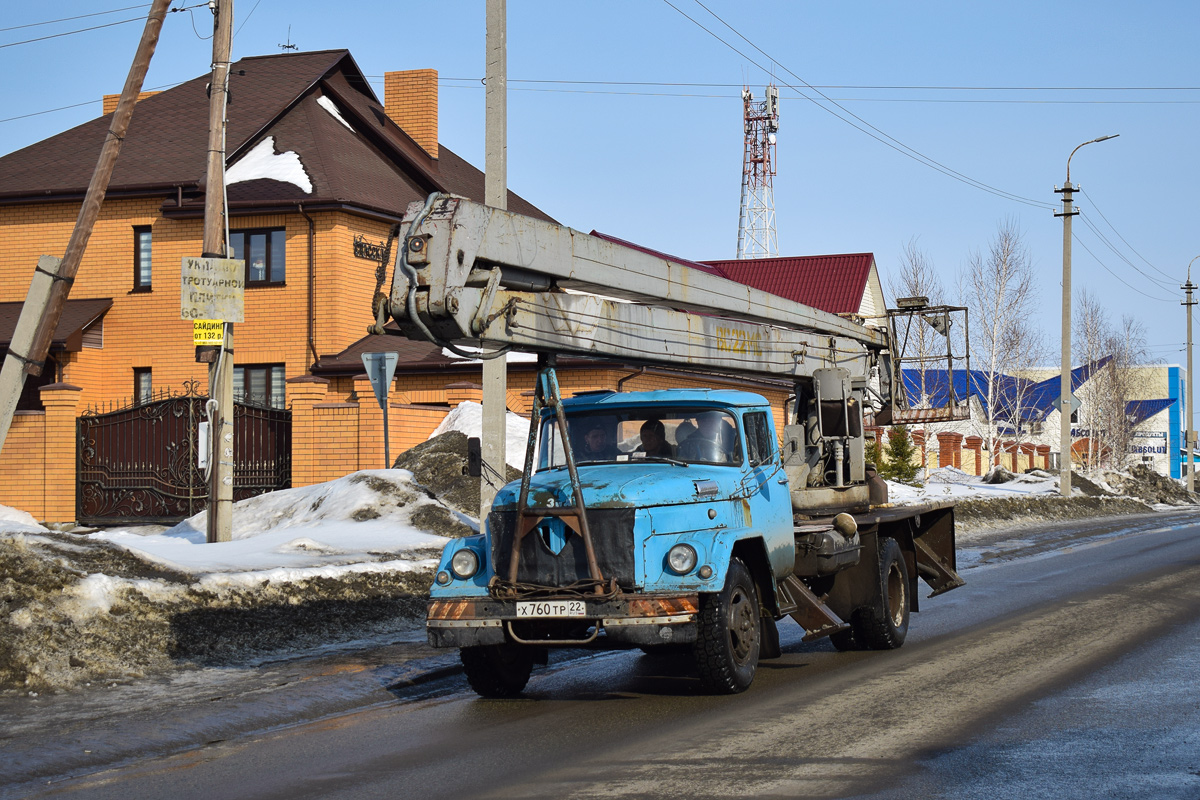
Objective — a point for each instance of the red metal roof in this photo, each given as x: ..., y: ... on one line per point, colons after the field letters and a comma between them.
x: 834, y: 283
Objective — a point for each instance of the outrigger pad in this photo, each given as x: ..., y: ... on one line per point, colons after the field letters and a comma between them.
x: 806, y: 608
x: 934, y: 570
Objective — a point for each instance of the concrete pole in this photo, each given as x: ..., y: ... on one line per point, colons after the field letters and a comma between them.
x: 1064, y: 440
x: 495, y: 370
x: 1189, y: 434
x: 220, y: 374
x: 1065, y: 384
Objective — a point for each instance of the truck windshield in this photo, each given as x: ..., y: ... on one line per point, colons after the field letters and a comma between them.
x: 685, y: 435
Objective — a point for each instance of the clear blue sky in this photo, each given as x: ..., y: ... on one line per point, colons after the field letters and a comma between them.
x: 660, y: 164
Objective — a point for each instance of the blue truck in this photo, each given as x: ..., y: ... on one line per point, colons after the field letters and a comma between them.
x: 691, y: 520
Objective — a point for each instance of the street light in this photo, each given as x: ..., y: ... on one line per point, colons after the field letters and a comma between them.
x: 1189, y: 435
x: 1065, y: 395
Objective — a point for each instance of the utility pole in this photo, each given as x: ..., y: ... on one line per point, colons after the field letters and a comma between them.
x: 1065, y: 396
x: 216, y: 245
x: 52, y: 279
x: 495, y: 369
x: 1189, y: 435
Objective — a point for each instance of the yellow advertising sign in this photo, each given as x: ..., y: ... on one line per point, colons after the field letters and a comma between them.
x: 208, y: 331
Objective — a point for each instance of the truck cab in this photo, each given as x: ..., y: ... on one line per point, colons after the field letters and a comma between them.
x: 678, y: 486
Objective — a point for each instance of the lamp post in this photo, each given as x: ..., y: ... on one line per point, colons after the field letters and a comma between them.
x: 1189, y: 435
x: 1064, y: 399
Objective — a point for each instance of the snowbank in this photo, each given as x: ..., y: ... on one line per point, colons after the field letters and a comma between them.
x: 368, y: 516
x: 467, y: 418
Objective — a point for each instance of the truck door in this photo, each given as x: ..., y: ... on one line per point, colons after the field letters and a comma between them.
x: 767, y: 490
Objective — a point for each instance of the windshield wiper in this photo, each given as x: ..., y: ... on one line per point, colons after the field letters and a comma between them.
x: 666, y: 459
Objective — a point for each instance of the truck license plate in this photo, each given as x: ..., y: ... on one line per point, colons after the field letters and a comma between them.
x: 552, y: 608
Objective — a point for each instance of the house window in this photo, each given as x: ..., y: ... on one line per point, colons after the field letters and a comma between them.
x: 141, y: 258
x: 259, y: 385
x: 143, y: 385
x: 265, y: 253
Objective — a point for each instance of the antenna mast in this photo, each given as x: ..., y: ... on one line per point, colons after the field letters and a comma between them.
x: 756, y: 220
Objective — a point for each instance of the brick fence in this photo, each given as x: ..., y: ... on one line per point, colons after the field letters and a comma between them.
x: 967, y: 452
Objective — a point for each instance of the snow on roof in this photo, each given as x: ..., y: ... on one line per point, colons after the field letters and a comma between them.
x: 324, y: 102
x: 264, y: 162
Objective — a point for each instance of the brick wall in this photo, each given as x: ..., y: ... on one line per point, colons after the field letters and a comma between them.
x: 410, y: 98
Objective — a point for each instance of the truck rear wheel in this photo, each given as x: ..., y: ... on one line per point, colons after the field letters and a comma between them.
x: 497, y: 670
x: 884, y: 624
x: 729, y: 636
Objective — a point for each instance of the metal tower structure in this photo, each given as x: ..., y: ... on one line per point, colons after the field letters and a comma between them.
x: 756, y: 220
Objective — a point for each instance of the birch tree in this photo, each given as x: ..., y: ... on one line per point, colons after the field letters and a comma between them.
x: 999, y: 291
x: 1109, y: 389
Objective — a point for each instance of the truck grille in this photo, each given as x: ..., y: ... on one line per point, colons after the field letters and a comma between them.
x: 612, y: 539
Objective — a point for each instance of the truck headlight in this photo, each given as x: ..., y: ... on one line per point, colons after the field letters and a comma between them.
x: 464, y: 563
x: 681, y: 559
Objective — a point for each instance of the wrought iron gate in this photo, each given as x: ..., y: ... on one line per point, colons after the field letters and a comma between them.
x: 137, y: 464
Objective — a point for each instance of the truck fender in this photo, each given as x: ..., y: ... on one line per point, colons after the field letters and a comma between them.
x: 753, y: 553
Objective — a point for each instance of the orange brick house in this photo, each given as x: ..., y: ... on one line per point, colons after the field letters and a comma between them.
x: 319, y: 171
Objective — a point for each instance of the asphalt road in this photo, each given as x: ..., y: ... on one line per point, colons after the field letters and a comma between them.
x: 1066, y: 672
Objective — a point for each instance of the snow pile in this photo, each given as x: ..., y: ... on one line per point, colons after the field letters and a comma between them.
x: 467, y: 419
x: 950, y: 483
x: 314, y: 531
x: 307, y: 567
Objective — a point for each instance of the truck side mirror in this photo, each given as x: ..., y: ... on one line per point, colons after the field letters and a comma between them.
x: 474, y: 466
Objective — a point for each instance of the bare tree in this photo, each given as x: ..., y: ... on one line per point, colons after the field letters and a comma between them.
x: 998, y: 289
x: 1110, y: 386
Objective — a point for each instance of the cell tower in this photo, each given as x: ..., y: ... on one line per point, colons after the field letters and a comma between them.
x: 756, y: 222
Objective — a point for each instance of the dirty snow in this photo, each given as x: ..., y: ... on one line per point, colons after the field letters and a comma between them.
x: 949, y: 483
x: 263, y: 162
x: 467, y: 418
x: 296, y: 534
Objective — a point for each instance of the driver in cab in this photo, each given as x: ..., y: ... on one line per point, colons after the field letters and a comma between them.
x: 595, y: 445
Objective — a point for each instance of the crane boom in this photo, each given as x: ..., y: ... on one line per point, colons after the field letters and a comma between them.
x: 472, y: 273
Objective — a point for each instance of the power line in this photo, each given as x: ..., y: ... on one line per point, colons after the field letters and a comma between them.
x: 246, y: 19
x: 875, y: 133
x: 1118, y: 277
x: 931, y: 100
x: 1104, y: 240
x: 68, y: 19
x: 72, y: 33
x: 849, y: 86
x: 1123, y: 239
x: 84, y: 103
x: 94, y: 27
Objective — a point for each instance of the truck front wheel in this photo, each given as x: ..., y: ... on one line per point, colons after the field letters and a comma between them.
x: 497, y: 670
x: 729, y: 636
x: 884, y: 624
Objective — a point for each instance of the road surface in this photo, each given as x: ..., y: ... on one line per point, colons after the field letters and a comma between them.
x: 1065, y: 669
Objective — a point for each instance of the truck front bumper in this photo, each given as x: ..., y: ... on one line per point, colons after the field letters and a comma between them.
x: 618, y: 622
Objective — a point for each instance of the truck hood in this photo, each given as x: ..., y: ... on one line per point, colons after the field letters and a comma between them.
x: 628, y: 485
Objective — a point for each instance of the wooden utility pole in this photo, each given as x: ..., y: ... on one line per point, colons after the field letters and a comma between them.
x: 52, y: 279
x: 495, y: 191
x: 220, y: 373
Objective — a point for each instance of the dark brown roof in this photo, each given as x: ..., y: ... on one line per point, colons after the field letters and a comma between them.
x: 374, y: 167
x: 76, y: 316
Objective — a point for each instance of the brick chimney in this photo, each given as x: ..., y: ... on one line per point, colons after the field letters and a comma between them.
x: 110, y: 100
x: 410, y: 98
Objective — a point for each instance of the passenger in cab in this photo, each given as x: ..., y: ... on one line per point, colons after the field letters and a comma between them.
x: 654, y: 440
